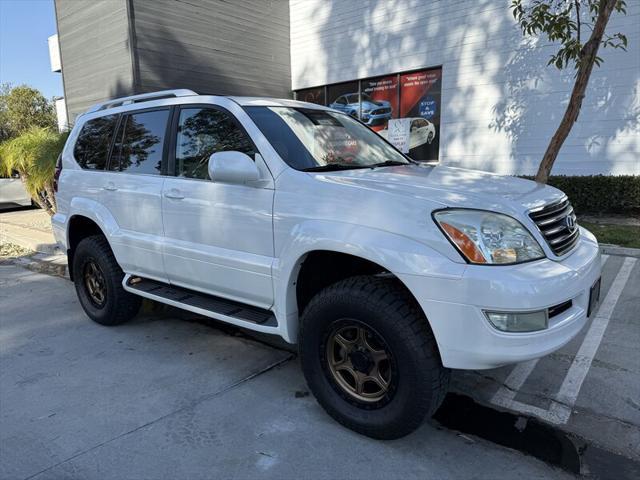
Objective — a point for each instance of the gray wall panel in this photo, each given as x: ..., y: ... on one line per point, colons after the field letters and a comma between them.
x: 214, y: 46
x: 113, y: 48
x: 95, y: 51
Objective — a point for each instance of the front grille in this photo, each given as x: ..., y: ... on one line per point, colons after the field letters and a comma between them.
x: 557, y: 222
x: 380, y: 111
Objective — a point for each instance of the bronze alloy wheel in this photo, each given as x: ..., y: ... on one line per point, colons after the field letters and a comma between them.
x: 359, y: 362
x: 94, y: 283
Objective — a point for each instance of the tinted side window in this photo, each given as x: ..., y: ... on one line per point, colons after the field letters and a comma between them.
x: 92, y: 147
x: 140, y: 148
x: 202, y: 132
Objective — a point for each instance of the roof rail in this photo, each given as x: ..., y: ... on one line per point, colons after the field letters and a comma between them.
x: 143, y: 97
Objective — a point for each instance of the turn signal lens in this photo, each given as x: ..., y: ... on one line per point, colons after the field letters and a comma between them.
x: 464, y: 243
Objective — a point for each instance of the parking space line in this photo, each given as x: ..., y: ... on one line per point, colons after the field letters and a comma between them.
x: 558, y: 412
x: 507, y: 392
x: 572, y: 383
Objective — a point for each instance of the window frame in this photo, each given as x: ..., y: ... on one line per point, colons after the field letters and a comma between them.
x: 123, y: 117
x: 171, y: 160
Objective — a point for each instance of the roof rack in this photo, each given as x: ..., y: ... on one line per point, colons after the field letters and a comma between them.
x: 143, y: 97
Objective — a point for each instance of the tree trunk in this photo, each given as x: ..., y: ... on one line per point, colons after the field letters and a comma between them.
x: 42, y: 203
x: 51, y: 196
x: 585, y: 66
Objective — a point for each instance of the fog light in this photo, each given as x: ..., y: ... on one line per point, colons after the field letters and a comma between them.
x: 519, y: 321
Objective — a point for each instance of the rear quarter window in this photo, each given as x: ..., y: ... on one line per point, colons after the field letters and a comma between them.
x: 91, y: 150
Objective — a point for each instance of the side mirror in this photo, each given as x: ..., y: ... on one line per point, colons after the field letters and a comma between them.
x: 232, y: 167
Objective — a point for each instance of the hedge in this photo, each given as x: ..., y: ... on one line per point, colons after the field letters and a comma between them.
x: 595, y: 194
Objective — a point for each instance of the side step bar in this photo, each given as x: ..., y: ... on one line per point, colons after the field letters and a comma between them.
x: 201, y: 303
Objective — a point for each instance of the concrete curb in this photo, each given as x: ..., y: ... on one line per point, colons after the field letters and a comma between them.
x: 616, y: 250
x: 32, y: 239
x: 55, y: 265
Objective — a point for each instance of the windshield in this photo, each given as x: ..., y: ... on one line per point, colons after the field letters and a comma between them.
x: 310, y: 139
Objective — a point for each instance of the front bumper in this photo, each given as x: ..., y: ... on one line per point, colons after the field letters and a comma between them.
x: 467, y: 340
x: 376, y: 119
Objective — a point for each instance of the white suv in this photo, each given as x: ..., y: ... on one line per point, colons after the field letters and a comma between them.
x: 297, y: 220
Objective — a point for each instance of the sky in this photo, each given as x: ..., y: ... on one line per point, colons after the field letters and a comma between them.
x: 25, y: 26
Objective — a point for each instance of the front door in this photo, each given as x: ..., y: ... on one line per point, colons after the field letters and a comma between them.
x: 218, y: 237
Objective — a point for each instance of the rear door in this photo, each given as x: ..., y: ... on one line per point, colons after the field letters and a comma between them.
x: 218, y: 236
x: 132, y: 189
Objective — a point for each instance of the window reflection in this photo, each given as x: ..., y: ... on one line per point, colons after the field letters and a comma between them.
x: 141, y: 144
x: 92, y: 148
x: 202, y: 132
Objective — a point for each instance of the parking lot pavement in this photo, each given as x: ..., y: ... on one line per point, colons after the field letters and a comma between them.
x: 168, y: 398
x: 590, y: 387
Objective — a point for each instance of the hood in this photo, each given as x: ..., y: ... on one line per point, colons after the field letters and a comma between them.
x: 451, y: 187
x: 374, y: 103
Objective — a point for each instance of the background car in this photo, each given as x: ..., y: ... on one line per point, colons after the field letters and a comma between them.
x: 12, y: 192
x: 374, y: 112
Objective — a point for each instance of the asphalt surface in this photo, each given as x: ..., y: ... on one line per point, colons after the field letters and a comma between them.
x: 591, y: 386
x: 163, y: 397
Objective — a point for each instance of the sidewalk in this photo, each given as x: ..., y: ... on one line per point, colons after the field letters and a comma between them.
x: 30, y: 229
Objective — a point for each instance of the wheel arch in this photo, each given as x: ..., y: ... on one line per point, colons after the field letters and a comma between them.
x: 79, y: 227
x: 368, y: 250
x: 87, y: 217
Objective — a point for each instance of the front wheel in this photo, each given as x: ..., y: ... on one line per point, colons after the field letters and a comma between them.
x: 98, y: 281
x: 369, y: 357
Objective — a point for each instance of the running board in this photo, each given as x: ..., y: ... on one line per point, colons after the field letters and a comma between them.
x: 201, y: 303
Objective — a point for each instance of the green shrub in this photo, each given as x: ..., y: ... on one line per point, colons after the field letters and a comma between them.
x: 33, y: 155
x: 595, y: 194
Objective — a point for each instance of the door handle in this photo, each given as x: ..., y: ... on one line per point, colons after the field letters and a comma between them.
x: 174, y: 193
x: 110, y: 186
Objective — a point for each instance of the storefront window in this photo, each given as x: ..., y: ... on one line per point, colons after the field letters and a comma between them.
x: 403, y: 107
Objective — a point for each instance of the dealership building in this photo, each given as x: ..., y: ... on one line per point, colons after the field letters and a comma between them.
x: 453, y: 82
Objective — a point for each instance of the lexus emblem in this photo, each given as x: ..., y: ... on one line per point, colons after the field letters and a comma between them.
x: 570, y: 221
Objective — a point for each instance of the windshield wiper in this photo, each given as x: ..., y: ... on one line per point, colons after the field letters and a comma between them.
x: 333, y: 167
x: 389, y: 163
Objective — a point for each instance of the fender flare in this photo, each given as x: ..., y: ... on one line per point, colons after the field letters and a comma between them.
x: 96, y: 212
x: 396, y: 253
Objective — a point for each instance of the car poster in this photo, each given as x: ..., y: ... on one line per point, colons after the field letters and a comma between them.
x: 311, y: 95
x: 379, y: 101
x: 344, y: 97
x: 420, y: 94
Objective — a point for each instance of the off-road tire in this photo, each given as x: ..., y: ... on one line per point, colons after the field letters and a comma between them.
x: 120, y: 305
x: 387, y: 308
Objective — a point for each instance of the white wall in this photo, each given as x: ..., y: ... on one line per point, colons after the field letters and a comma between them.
x: 54, y: 53
x: 501, y: 103
x: 61, y: 114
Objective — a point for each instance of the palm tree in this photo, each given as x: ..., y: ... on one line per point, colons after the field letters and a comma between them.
x: 33, y: 155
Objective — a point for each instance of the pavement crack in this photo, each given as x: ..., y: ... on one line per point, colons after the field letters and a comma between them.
x: 189, y: 406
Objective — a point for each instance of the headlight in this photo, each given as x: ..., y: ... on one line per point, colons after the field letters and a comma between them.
x: 487, y: 237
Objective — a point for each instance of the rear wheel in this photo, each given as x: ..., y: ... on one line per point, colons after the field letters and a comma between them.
x: 98, y: 281
x: 369, y: 357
